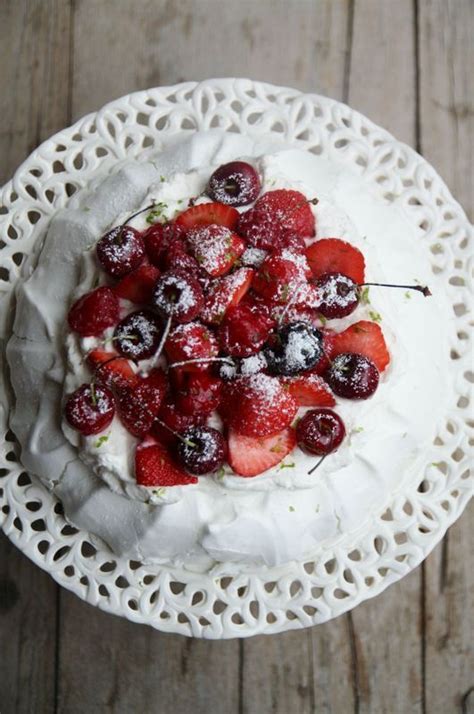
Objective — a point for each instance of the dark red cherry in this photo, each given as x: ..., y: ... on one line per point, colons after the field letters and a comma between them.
x: 90, y: 409
x: 235, y: 184
x: 202, y: 449
x: 339, y: 295
x: 120, y: 251
x: 178, y: 295
x: 138, y: 335
x: 320, y: 431
x: 352, y: 376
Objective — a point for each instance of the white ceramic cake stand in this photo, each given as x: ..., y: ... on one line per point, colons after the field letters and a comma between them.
x: 220, y: 604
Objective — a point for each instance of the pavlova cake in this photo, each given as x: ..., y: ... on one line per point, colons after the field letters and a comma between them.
x: 226, y: 354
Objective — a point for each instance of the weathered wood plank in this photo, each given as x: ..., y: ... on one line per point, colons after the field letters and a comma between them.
x: 386, y: 631
x: 163, y: 42
x: 34, y: 66
x: 446, y: 58
x: 132, y: 668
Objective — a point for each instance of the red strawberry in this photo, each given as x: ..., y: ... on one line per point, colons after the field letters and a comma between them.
x: 192, y: 341
x: 333, y: 255
x: 110, y: 369
x: 328, y: 347
x: 170, y: 415
x: 158, y: 239
x: 215, y: 248
x: 280, y: 276
x: 226, y: 293
x: 206, y: 214
x: 200, y: 394
x: 259, y: 405
x: 139, y: 404
x: 176, y: 258
x: 244, y: 330
x: 154, y: 466
x: 252, y: 455
x: 363, y: 338
x: 138, y: 285
x: 275, y: 213
x: 94, y: 312
x: 310, y: 390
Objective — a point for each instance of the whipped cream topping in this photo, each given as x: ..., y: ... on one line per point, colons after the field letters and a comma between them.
x: 283, y: 514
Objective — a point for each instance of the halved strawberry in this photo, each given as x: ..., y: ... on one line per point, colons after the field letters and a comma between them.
x: 266, y: 225
x: 252, y: 455
x: 226, y: 293
x: 138, y: 285
x: 110, y: 369
x: 206, y: 214
x: 215, y: 248
x: 280, y: 276
x: 94, y: 312
x: 139, y: 405
x: 244, y: 330
x: 364, y: 338
x: 259, y: 405
x: 328, y: 348
x: 192, y: 341
x: 333, y: 255
x: 158, y: 238
x: 310, y: 390
x: 154, y: 466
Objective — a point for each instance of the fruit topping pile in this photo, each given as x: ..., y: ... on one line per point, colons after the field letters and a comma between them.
x: 223, y: 312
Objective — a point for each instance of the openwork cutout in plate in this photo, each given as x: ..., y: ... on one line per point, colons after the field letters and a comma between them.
x: 217, y: 604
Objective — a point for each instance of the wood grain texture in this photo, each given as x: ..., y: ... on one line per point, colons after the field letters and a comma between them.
x: 160, y: 42
x: 108, y: 664
x: 408, y: 650
x: 34, y: 80
x: 446, y: 80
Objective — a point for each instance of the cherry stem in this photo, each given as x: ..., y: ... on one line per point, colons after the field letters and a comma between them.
x: 159, y: 349
x: 188, y: 442
x: 200, y: 359
x: 134, y: 215
x: 317, y: 464
x: 419, y: 288
x: 193, y: 200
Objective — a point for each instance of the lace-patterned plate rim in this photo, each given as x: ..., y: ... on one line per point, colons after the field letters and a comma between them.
x: 226, y: 603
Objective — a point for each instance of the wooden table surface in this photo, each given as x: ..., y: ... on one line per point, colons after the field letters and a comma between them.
x: 408, y: 65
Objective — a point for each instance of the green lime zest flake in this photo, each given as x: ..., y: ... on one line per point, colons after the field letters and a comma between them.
x: 277, y: 449
x: 157, y: 214
x: 291, y: 509
x: 317, y: 509
x: 375, y: 316
x: 357, y: 429
x: 159, y: 491
x: 437, y: 464
x: 322, y: 319
x: 162, y: 179
x: 364, y: 296
x: 408, y: 295
x: 101, y: 440
x: 221, y: 473
x: 285, y: 291
x: 287, y: 466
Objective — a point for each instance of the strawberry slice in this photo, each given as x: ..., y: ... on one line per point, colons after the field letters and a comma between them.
x: 138, y: 285
x: 192, y: 341
x: 333, y: 255
x: 258, y: 405
x: 267, y: 224
x: 110, y: 369
x: 154, y: 466
x: 226, y: 293
x: 139, y: 405
x: 206, y: 214
x: 94, y: 312
x: 310, y: 390
x: 250, y: 455
x: 280, y: 276
x: 363, y: 338
x: 215, y: 248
